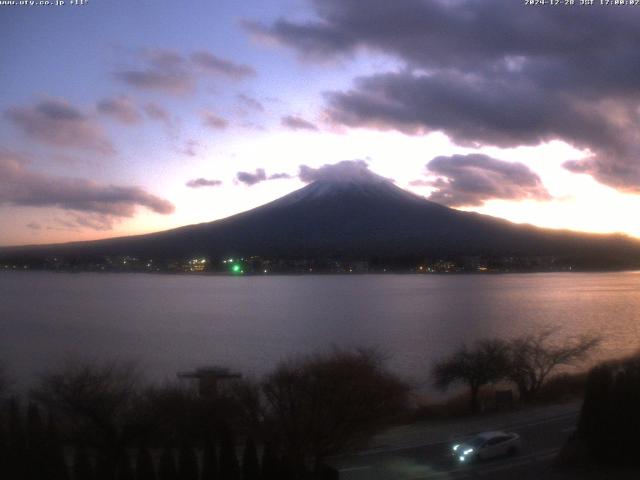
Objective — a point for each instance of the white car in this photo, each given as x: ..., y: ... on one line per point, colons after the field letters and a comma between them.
x: 487, y: 445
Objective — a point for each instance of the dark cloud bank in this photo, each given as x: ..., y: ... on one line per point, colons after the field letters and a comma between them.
x: 489, y: 72
x: 93, y: 205
x: 58, y: 123
x: 470, y: 180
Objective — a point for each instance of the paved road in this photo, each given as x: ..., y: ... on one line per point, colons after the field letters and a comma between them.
x: 541, y: 442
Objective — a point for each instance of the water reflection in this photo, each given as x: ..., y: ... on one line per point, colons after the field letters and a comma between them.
x: 170, y: 323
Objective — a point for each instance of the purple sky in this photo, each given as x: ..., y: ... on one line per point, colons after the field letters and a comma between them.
x: 123, y: 117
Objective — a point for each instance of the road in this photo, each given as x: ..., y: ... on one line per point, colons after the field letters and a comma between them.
x: 541, y: 441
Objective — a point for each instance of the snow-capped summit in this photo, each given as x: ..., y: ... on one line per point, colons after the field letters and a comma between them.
x: 350, y: 177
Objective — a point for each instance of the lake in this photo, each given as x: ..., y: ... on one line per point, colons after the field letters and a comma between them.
x: 169, y: 323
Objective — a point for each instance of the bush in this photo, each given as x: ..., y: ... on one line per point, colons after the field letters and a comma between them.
x: 325, y: 404
x: 562, y: 387
x: 610, y: 418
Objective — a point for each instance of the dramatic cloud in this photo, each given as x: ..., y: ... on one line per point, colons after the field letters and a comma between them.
x: 344, y: 171
x: 203, y: 182
x: 219, y: 66
x: 56, y: 122
x: 92, y: 202
x: 213, y: 121
x: 297, y: 123
x: 120, y: 108
x: 470, y: 180
x: 252, y: 178
x: 489, y: 72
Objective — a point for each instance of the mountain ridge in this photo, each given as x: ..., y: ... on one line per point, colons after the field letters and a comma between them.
x: 357, y: 218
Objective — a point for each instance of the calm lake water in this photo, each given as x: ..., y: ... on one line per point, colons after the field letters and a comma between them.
x: 169, y: 323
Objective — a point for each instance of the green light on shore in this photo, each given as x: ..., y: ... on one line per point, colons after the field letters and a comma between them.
x: 236, y: 268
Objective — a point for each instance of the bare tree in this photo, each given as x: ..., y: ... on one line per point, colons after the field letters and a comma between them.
x: 533, y: 357
x: 486, y: 362
x: 321, y: 405
x: 5, y: 381
x: 171, y: 412
x: 94, y: 399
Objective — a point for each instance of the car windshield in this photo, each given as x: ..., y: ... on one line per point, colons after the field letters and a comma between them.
x: 475, y: 442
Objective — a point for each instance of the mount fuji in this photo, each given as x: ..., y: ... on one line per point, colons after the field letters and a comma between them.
x: 358, y: 216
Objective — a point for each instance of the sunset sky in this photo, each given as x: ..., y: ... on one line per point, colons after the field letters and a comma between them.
x: 125, y: 117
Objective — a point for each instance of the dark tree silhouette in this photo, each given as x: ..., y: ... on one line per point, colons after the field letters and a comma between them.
x: 269, y: 468
x: 36, y: 444
x: 82, y: 466
x: 286, y: 470
x: 187, y: 462
x: 4, y: 382
x: 229, y: 468
x: 169, y: 411
x: 322, y: 405
x: 210, y: 459
x: 18, y: 461
x: 124, y: 471
x: 250, y: 464
x: 4, y: 445
x: 96, y: 400
x: 534, y: 357
x: 168, y: 470
x: 486, y: 362
x: 106, y: 469
x: 56, y: 465
x: 145, y: 469
x: 610, y: 419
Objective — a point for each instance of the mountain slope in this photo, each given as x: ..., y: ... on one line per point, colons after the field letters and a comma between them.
x: 356, y: 218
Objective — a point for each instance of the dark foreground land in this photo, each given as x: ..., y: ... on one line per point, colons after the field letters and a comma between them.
x: 340, y: 415
x: 544, y: 431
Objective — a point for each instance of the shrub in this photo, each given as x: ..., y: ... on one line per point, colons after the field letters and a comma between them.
x: 610, y: 418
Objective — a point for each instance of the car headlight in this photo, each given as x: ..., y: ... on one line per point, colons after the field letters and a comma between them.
x: 467, y: 452
x: 456, y: 447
